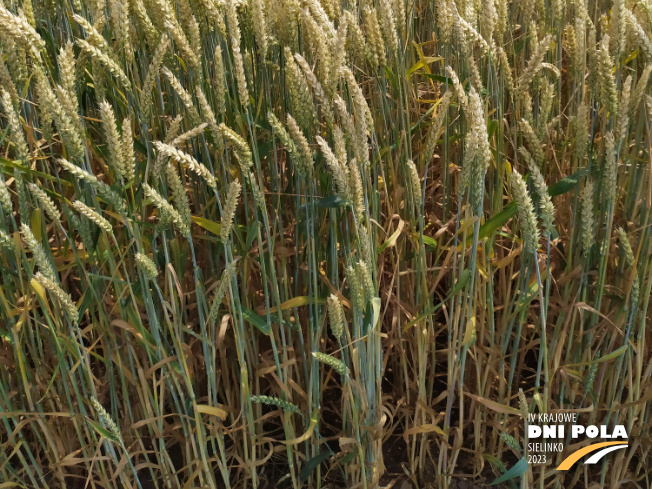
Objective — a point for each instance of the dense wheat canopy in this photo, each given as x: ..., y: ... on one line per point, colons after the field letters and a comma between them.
x: 313, y: 243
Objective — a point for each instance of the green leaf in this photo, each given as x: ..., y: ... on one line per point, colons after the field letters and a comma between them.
x: 439, y: 78
x: 391, y: 77
x: 213, y: 227
x: 496, y: 222
x: 495, y: 461
x: 331, y: 201
x: 428, y: 241
x: 465, y: 276
x: 518, y: 470
x: 252, y: 233
x: 565, y: 184
x: 259, y: 322
x: 312, y: 464
x: 102, y: 431
x: 390, y: 242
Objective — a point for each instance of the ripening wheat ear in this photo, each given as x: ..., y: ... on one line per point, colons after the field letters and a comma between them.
x: 587, y: 217
x: 234, y: 34
x: 92, y: 216
x: 336, y: 316
x: 16, y: 128
x: 526, y: 213
x: 338, y: 170
x: 18, y: 28
x: 5, y: 198
x: 167, y: 213
x: 61, y: 295
x: 40, y: 257
x: 106, y: 61
x: 46, y: 203
x: 146, y: 266
x: 631, y: 265
x: 415, y: 184
x: 546, y: 208
x: 186, y: 160
x: 116, y: 156
x: 305, y: 161
x: 222, y: 288
x: 228, y: 211
x: 242, y: 150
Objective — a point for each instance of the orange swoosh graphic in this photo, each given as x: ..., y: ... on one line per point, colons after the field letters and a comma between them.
x: 574, y: 457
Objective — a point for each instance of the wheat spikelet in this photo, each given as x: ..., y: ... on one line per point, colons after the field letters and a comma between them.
x: 18, y: 136
x: 305, y: 154
x: 437, y: 123
x: 18, y: 28
x: 7, y: 82
x: 7, y: 243
x: 336, y: 316
x: 107, y: 420
x: 186, y: 160
x: 606, y: 82
x: 242, y: 150
x: 332, y: 362
x: 228, y: 211
x: 546, y: 208
x: 234, y: 33
x: 317, y: 89
x: 183, y: 94
x: 181, y: 139
x: 587, y: 217
x: 534, y: 64
x: 631, y: 265
x: 225, y: 280
x: 277, y: 402
x: 526, y: 213
x: 116, y: 156
x: 92, y: 216
x: 218, y: 81
x: 113, y: 67
x: 181, y: 42
x: 167, y: 213
x: 5, y: 198
x: 62, y: 296
x: 338, y: 170
x: 355, y: 288
x: 300, y: 97
x: 639, y: 91
x: 179, y: 194
x: 152, y: 74
x: 103, y: 190
x: 146, y: 266
x: 415, y: 184
x: 532, y: 141
x: 375, y: 43
x: 40, y: 257
x: 46, y: 203
x: 511, y: 442
x: 622, y: 123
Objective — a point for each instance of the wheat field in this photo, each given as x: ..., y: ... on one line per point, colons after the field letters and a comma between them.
x: 322, y: 244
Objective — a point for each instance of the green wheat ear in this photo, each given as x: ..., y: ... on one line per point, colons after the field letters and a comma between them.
x: 332, y: 362
x: 106, y: 419
x: 277, y: 402
x: 511, y: 442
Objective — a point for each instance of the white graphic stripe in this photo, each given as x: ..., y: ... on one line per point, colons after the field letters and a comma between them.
x: 601, y: 453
